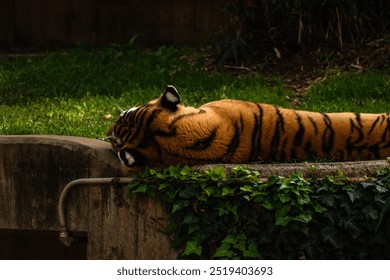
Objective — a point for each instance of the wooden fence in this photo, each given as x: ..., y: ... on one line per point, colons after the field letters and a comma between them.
x: 48, y: 23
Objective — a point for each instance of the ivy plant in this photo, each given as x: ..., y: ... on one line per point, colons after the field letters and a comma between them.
x: 217, y: 214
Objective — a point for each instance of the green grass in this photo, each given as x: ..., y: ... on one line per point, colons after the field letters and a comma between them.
x: 74, y: 92
x: 368, y: 92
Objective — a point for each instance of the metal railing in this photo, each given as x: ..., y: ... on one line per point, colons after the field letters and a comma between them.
x: 65, y: 236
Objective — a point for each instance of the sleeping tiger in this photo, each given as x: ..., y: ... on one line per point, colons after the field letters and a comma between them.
x: 163, y: 132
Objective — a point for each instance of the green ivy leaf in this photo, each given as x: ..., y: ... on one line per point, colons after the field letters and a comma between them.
x: 268, y: 205
x: 352, y: 195
x: 281, y: 216
x: 319, y: 208
x: 216, y: 174
x: 284, y: 198
x: 186, y: 171
x: 192, y: 248
x: 161, y: 176
x: 305, y: 218
x: 193, y: 228
x: 209, y: 190
x: 224, y: 251
x: 246, y: 188
x: 371, y: 213
x: 328, y: 235
x: 251, y: 252
x: 179, y: 205
x: 381, y: 189
x: 188, y: 192
x: 282, y: 221
x: 302, y: 200
x: 240, y: 245
x: 190, y: 218
x: 226, y: 191
x: 141, y: 189
x: 284, y: 186
x: 229, y: 239
x: 273, y: 180
x: 349, y: 223
x: 284, y: 210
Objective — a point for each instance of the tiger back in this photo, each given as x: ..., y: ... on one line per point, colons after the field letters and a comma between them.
x: 163, y: 132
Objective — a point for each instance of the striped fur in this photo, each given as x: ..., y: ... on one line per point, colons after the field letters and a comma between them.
x: 163, y: 132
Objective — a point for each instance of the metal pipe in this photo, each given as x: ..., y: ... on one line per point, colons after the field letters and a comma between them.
x: 65, y: 237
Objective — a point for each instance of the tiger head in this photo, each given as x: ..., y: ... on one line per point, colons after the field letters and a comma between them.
x: 132, y: 135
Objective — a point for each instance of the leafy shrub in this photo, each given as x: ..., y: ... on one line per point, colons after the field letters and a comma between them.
x: 215, y: 215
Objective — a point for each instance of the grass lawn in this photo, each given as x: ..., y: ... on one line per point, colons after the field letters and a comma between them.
x: 74, y: 92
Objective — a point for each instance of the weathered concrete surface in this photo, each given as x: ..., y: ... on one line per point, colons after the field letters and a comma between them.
x: 351, y: 169
x: 35, y: 169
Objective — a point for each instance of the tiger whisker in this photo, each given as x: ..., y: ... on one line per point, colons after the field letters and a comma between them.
x: 116, y: 104
x: 119, y: 107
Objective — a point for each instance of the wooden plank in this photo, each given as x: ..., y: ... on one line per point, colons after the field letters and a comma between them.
x: 150, y: 20
x: 40, y: 22
x: 6, y: 22
x: 183, y: 21
x: 210, y: 19
x: 84, y: 21
x: 95, y: 22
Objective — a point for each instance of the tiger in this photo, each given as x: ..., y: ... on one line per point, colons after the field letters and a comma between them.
x: 164, y: 132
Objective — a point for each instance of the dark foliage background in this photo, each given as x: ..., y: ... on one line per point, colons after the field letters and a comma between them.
x: 288, y: 26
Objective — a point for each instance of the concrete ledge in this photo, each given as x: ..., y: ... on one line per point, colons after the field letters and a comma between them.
x: 35, y: 169
x: 351, y: 169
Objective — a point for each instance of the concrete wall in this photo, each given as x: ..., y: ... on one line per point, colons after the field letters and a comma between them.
x: 34, y: 171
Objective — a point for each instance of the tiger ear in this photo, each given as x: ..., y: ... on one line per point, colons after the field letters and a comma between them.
x: 170, y: 98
